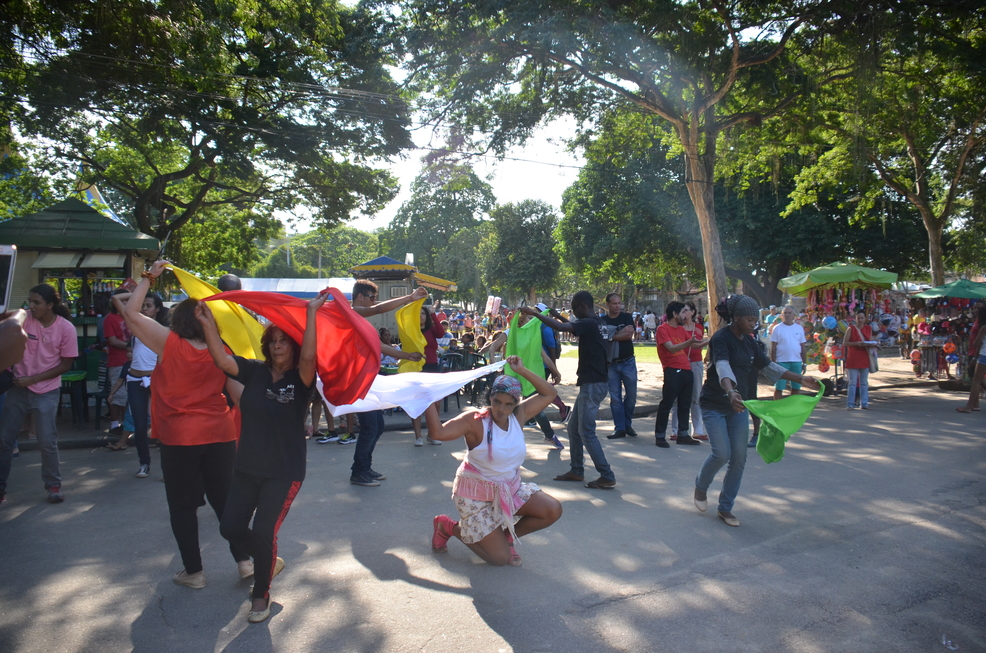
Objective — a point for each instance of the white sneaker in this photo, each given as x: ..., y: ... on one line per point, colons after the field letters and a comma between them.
x: 419, y: 442
x: 435, y: 442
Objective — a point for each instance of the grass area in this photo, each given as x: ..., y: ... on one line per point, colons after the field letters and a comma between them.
x: 645, y: 352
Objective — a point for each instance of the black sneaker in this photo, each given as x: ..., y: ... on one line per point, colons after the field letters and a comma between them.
x: 375, y: 475
x: 618, y: 434
x: 364, y: 480
x: 332, y: 436
x: 631, y: 432
x: 661, y: 442
x: 143, y: 471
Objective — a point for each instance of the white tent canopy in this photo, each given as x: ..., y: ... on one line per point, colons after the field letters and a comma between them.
x: 304, y: 288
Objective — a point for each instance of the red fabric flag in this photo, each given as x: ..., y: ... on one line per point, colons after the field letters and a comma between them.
x: 348, y: 346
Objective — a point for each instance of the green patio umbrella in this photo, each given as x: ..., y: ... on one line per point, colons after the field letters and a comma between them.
x: 837, y: 275
x: 963, y: 289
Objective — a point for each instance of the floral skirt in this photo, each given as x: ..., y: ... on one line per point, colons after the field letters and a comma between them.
x: 476, y: 518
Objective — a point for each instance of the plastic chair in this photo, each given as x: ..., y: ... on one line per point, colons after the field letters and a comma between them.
x: 74, y: 385
x: 102, y: 393
x: 451, y: 363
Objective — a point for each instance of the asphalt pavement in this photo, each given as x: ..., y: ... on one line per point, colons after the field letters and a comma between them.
x: 868, y: 536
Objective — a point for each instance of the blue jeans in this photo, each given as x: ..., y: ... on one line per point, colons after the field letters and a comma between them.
x: 139, y: 402
x: 370, y: 428
x: 623, y: 375
x: 18, y: 404
x: 862, y: 377
x: 582, y: 431
x: 728, y: 439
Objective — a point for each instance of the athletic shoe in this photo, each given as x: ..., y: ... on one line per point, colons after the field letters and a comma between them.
x: 556, y: 442
x: 347, y: 438
x: 143, y: 471
x: 563, y: 414
x: 364, y: 480
x: 195, y: 581
x: 434, y: 442
x: 753, y: 442
x: 332, y: 436
x: 375, y: 475
x: 55, y: 495
x: 419, y: 442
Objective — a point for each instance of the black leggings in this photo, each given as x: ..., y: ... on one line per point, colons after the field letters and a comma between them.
x: 193, y: 474
x: 267, y: 500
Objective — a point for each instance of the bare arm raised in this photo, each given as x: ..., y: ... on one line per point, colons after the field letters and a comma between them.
x: 150, y: 332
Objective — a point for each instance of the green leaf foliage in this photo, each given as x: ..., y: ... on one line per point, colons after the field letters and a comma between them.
x: 518, y: 257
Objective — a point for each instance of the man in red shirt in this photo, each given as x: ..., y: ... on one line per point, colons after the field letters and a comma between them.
x: 673, y: 344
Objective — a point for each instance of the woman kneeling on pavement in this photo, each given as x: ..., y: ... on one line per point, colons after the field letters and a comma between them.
x: 270, y: 461
x: 488, y: 491
x: 733, y: 355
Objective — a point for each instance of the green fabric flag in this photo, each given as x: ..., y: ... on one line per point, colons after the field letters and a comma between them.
x: 781, y: 420
x: 525, y: 341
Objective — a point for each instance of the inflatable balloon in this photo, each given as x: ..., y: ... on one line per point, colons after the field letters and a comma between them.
x: 952, y: 358
x: 949, y: 348
x: 829, y: 323
x: 823, y: 366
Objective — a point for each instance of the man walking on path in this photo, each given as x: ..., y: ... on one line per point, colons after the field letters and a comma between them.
x: 371, y: 423
x: 650, y: 324
x: 622, y: 369
x: 593, y: 382
x: 788, y: 348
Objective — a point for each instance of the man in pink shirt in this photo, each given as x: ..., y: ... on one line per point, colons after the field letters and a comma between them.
x: 51, y: 348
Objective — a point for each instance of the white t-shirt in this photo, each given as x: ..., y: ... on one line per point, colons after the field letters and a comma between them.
x: 788, y: 339
x: 649, y: 321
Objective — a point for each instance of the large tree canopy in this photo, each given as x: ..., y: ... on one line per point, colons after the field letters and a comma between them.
x: 186, y: 106
x: 503, y: 66
x: 445, y: 198
x: 518, y: 257
x: 628, y: 216
x: 913, y: 124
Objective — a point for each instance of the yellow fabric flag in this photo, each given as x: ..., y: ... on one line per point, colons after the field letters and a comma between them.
x: 412, y: 340
x: 240, y: 330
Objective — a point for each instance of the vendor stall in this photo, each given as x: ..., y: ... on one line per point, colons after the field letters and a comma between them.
x: 943, y: 339
x: 834, y: 293
x: 80, y: 252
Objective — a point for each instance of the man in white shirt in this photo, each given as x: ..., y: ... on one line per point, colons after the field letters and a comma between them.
x: 788, y: 348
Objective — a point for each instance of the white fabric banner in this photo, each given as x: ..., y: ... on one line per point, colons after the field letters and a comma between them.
x: 413, y: 392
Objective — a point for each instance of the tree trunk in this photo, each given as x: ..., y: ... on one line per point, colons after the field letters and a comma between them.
x: 700, y: 190
x: 935, y: 255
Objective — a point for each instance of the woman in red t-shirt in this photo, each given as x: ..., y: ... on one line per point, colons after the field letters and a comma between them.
x: 693, y: 329
x: 858, y: 361
x: 193, y: 421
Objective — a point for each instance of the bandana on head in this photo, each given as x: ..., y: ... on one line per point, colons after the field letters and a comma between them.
x: 508, y: 384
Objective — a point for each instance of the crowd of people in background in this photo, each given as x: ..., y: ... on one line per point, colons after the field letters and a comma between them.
x: 231, y: 432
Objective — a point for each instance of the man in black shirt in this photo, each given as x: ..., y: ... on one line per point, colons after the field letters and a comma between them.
x: 593, y: 382
x: 622, y: 369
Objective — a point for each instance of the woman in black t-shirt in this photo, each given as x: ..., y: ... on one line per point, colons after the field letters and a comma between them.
x: 270, y: 460
x: 731, y: 379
